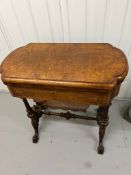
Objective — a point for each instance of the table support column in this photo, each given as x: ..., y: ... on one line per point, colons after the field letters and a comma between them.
x: 34, y: 114
x: 103, y: 120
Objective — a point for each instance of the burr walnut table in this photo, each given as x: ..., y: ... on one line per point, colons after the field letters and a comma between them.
x: 73, y: 75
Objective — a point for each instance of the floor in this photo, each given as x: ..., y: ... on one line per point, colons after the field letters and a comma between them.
x: 65, y: 147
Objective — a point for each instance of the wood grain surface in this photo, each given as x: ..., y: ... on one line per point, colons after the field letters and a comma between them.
x: 74, y: 65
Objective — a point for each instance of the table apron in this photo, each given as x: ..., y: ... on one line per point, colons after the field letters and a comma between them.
x: 71, y: 96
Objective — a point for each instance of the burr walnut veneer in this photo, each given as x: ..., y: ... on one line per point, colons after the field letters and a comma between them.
x: 72, y: 76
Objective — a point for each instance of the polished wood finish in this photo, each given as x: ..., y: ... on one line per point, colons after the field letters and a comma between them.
x: 66, y: 75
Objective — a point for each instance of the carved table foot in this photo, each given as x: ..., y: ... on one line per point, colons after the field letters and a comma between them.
x: 100, y: 149
x: 34, y: 114
x: 102, y: 120
x: 35, y: 124
x: 35, y: 138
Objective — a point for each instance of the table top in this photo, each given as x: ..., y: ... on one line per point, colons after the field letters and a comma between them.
x: 87, y: 65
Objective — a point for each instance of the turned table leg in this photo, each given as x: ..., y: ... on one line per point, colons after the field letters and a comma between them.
x: 102, y: 119
x: 34, y: 114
